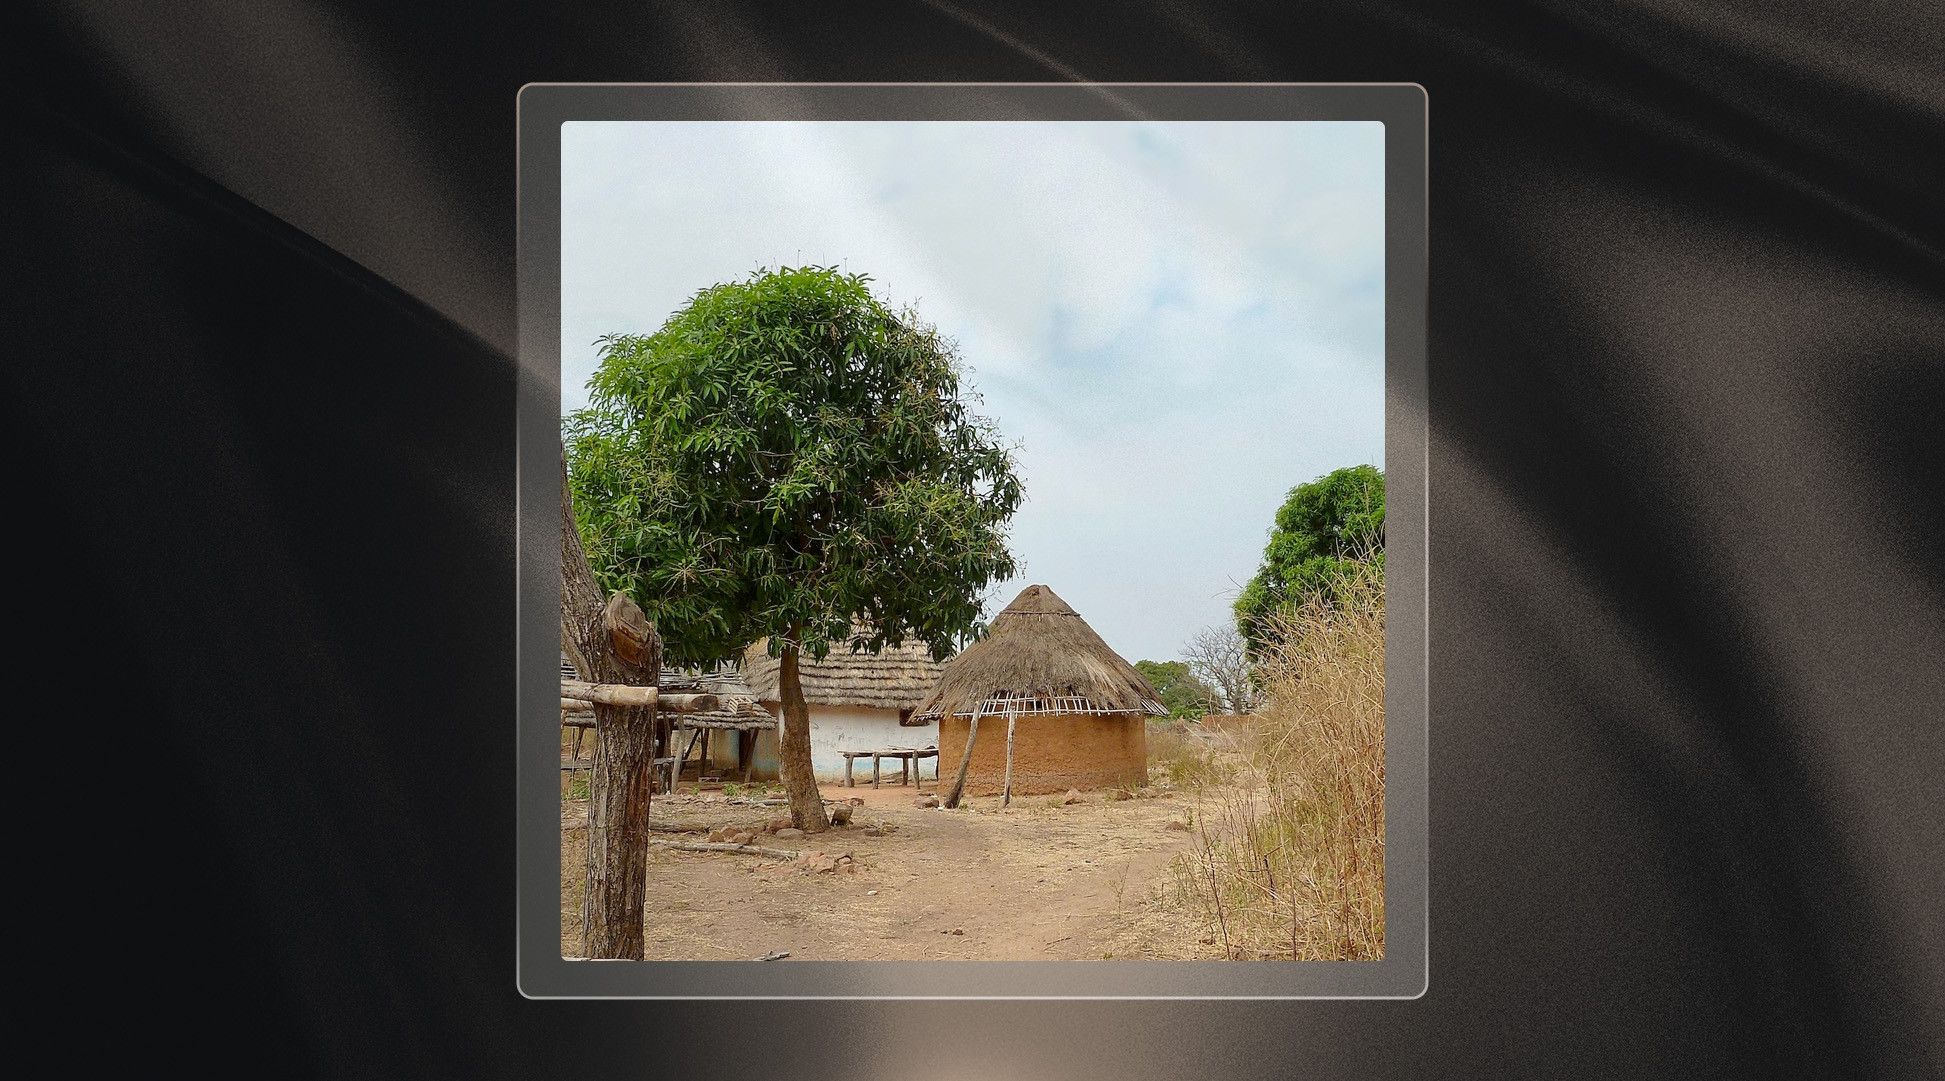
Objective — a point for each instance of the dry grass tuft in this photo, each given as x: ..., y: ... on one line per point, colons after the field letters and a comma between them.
x: 1290, y: 859
x: 1182, y: 759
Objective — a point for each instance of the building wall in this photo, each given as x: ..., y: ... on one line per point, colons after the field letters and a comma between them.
x: 848, y: 728
x: 1051, y: 752
x: 856, y: 728
x: 832, y: 729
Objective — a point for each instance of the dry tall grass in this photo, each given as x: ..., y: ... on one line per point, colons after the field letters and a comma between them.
x: 1181, y: 760
x: 1290, y: 862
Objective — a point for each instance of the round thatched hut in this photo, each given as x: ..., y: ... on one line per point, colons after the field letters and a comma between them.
x: 1074, y: 710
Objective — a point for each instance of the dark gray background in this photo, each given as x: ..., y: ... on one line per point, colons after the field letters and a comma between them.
x: 1686, y: 341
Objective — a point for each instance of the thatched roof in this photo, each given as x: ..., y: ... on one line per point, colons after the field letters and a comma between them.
x: 1040, y: 656
x: 896, y: 677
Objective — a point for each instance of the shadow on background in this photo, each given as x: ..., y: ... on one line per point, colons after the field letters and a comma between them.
x: 1687, y: 337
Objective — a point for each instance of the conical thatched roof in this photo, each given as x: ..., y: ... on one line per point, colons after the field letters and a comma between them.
x: 1040, y: 656
x: 896, y: 677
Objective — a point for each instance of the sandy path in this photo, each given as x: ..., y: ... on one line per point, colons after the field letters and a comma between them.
x: 1033, y: 882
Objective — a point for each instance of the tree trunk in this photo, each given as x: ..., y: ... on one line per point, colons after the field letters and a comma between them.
x: 793, y: 746
x: 610, y: 641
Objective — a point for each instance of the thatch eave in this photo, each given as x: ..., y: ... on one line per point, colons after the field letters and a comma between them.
x: 895, y: 678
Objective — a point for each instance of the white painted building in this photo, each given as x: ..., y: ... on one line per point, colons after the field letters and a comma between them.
x: 858, y: 702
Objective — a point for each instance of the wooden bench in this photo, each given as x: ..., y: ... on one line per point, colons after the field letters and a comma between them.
x: 908, y: 763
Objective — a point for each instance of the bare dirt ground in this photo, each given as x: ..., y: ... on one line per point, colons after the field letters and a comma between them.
x: 1037, y: 881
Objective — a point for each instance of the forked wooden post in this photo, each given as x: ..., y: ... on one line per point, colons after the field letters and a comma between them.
x: 611, y: 644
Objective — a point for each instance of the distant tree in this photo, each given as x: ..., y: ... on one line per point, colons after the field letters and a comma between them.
x: 1181, y: 693
x: 1322, y: 528
x: 787, y: 457
x: 1220, y: 658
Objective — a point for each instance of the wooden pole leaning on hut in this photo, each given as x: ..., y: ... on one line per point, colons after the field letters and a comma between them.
x: 965, y: 760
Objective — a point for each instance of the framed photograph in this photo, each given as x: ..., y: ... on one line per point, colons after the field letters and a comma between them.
x: 972, y: 541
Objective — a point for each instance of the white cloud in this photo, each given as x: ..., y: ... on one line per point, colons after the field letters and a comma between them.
x: 1179, y: 321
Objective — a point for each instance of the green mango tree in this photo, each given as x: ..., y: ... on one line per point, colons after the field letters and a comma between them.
x: 1323, y: 528
x: 790, y: 458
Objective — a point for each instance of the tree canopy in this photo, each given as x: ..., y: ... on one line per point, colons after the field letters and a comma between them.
x: 789, y: 455
x: 1322, y: 529
x: 1181, y: 693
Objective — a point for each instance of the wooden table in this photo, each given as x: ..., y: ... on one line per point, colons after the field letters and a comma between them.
x: 908, y: 763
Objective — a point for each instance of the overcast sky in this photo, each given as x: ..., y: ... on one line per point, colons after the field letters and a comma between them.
x: 1176, y: 322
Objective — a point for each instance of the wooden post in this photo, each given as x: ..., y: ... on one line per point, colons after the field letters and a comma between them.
x: 682, y: 755
x: 672, y: 750
x: 1006, y: 787
x: 677, y: 753
x: 965, y: 760
x: 610, y: 642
